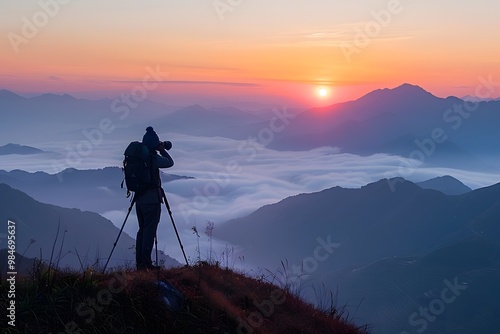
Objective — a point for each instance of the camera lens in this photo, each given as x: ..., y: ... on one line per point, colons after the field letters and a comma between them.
x: 167, y: 144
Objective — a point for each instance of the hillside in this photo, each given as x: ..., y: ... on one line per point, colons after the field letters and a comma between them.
x: 216, y: 300
x: 392, y: 289
x: 369, y: 223
x: 78, y: 236
x: 99, y: 187
x: 387, y: 252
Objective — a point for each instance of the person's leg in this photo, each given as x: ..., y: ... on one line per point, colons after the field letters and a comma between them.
x: 151, y: 214
x: 139, y: 238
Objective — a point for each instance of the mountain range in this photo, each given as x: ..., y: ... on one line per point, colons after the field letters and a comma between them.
x: 408, y: 221
x: 61, y: 117
x: 407, y: 119
x: 11, y: 148
x: 389, y: 247
x: 49, y: 114
x: 201, y: 121
x: 96, y: 190
x: 70, y: 236
x: 382, y: 249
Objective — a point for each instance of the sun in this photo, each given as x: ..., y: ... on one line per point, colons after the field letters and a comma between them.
x: 322, y: 92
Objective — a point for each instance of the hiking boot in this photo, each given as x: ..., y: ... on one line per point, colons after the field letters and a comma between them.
x: 147, y: 267
x: 152, y: 267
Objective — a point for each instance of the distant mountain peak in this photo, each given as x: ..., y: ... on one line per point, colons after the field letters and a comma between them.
x: 405, y: 92
x: 11, y: 148
x: 408, y: 86
x: 4, y: 93
x: 408, y: 89
x: 194, y: 107
x: 446, y: 184
x: 391, y: 185
x: 55, y: 97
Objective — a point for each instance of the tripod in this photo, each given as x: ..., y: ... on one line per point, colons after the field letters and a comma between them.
x: 132, y: 202
x: 173, y: 224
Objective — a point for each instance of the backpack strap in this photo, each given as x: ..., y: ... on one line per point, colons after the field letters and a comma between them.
x: 154, y: 176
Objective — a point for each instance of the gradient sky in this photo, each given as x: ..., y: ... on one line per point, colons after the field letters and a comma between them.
x: 282, y: 49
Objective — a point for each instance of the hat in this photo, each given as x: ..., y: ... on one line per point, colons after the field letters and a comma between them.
x: 151, y: 139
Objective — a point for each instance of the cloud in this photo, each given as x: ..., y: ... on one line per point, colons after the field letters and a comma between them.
x: 106, y: 189
x: 199, y: 67
x: 188, y: 82
x: 218, y: 194
x: 338, y: 35
x: 231, y: 182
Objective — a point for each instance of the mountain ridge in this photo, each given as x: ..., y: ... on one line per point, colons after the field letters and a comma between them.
x: 101, y: 188
x: 76, y: 227
x: 446, y: 184
x: 335, y: 211
x: 404, y: 90
x: 397, y: 121
x: 385, y: 251
x: 11, y: 148
x: 392, y: 289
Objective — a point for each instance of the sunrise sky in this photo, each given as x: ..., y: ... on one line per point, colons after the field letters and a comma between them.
x: 260, y: 50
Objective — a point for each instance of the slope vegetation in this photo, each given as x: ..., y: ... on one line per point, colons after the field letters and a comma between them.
x: 216, y: 300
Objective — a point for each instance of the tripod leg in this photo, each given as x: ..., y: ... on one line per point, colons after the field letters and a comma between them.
x: 173, y: 223
x: 157, y: 262
x: 156, y: 246
x: 119, y: 234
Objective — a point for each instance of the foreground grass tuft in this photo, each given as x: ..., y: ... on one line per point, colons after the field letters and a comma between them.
x: 217, y: 300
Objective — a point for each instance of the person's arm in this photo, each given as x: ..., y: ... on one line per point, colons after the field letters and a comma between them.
x: 165, y: 160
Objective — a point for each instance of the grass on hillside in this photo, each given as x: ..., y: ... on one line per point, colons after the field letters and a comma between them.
x: 217, y: 300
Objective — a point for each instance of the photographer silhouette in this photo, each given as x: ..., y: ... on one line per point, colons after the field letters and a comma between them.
x: 148, y: 202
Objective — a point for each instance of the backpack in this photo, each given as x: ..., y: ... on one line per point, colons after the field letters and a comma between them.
x: 137, y: 168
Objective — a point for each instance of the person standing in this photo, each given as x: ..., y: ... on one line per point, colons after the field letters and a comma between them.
x: 148, y: 203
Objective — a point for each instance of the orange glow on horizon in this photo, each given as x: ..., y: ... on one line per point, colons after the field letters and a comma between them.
x: 241, y: 63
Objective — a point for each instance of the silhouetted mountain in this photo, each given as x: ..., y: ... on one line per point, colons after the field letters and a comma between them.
x: 445, y: 184
x: 197, y: 120
x: 398, y: 98
x: 478, y: 99
x: 387, y: 252
x: 48, y: 115
x: 96, y: 190
x: 388, y: 292
x: 19, y: 149
x: 370, y: 223
x: 83, y: 236
x: 7, y: 94
x: 400, y: 121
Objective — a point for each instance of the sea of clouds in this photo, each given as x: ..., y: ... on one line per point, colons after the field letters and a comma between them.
x: 232, y: 178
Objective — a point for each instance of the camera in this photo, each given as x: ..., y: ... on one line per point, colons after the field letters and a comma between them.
x: 167, y: 145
